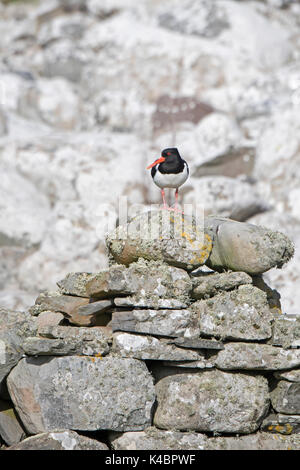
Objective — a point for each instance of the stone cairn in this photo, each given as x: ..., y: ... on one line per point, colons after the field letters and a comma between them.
x: 158, y: 351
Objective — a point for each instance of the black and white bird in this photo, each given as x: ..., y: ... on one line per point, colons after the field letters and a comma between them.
x: 169, y: 171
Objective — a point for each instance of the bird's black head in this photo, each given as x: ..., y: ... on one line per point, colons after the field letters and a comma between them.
x: 170, y: 153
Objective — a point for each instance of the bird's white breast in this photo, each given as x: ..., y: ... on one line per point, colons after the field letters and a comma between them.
x: 170, y: 180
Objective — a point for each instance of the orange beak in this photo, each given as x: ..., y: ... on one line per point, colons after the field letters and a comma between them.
x: 159, y: 160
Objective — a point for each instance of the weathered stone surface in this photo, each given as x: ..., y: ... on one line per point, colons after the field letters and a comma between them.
x: 59, y: 440
x: 197, y: 343
x: 209, y: 284
x: 157, y: 322
x: 290, y: 375
x: 286, y: 397
x: 201, y: 364
x: 10, y: 429
x: 211, y: 401
x: 75, y: 284
x: 257, y: 441
x: 147, y: 279
x: 56, y: 302
x: 281, y: 424
x: 147, y: 347
x: 256, y: 357
x: 171, y: 237
x: 240, y: 314
x: 240, y: 246
x: 156, y: 439
x: 14, y: 328
x: 286, y: 332
x: 49, y: 318
x: 82, y: 393
x: 153, y: 302
x: 77, y: 310
x: 64, y: 340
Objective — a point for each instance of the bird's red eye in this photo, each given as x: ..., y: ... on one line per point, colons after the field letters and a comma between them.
x: 168, y: 153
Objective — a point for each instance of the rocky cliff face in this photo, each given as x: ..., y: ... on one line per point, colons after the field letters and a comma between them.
x: 149, y: 355
x: 90, y: 91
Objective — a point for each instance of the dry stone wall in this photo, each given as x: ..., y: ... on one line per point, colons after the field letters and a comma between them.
x: 149, y: 355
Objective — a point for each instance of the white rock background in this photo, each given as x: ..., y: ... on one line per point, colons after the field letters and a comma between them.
x: 86, y: 90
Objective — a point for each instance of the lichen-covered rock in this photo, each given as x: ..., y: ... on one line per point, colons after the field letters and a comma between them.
x: 59, y: 440
x: 240, y: 246
x: 163, y: 322
x: 161, y: 235
x: 286, y: 332
x: 11, y: 431
x: 209, y: 284
x: 281, y: 424
x: 151, y: 302
x: 286, y: 397
x: 75, y: 284
x: 211, y: 401
x: 240, y: 314
x: 148, y: 347
x: 63, y: 340
x: 257, y: 441
x: 146, y: 279
x: 289, y: 375
x: 14, y: 328
x: 156, y: 439
x: 82, y: 393
x: 251, y: 356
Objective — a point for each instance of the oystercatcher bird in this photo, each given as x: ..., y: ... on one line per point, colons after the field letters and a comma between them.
x: 169, y: 171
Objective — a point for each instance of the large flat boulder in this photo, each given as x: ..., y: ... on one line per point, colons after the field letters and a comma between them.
x: 211, y: 401
x: 241, y: 314
x: 251, y: 356
x: 82, y: 393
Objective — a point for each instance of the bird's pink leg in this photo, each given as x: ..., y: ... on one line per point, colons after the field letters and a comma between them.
x: 176, y: 199
x: 164, y: 199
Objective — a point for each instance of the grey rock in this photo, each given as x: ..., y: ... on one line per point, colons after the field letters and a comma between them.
x: 251, y: 356
x: 209, y: 284
x: 148, y: 347
x: 290, y: 375
x: 157, y: 322
x: 75, y: 284
x: 168, y: 236
x: 95, y: 308
x: 59, y: 440
x: 10, y: 429
x: 211, y: 401
x: 14, y: 328
x: 286, y: 332
x: 146, y: 279
x: 281, y: 424
x: 153, y: 302
x: 63, y: 340
x: 286, y: 397
x: 156, y: 439
x: 82, y: 393
x: 239, y: 314
x: 240, y: 246
x: 77, y: 310
x: 49, y: 318
x: 197, y: 343
x: 257, y: 441
x: 3, y: 125
x: 200, y: 18
x: 201, y: 364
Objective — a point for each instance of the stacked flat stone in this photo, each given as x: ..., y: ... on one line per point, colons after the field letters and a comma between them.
x: 157, y: 352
